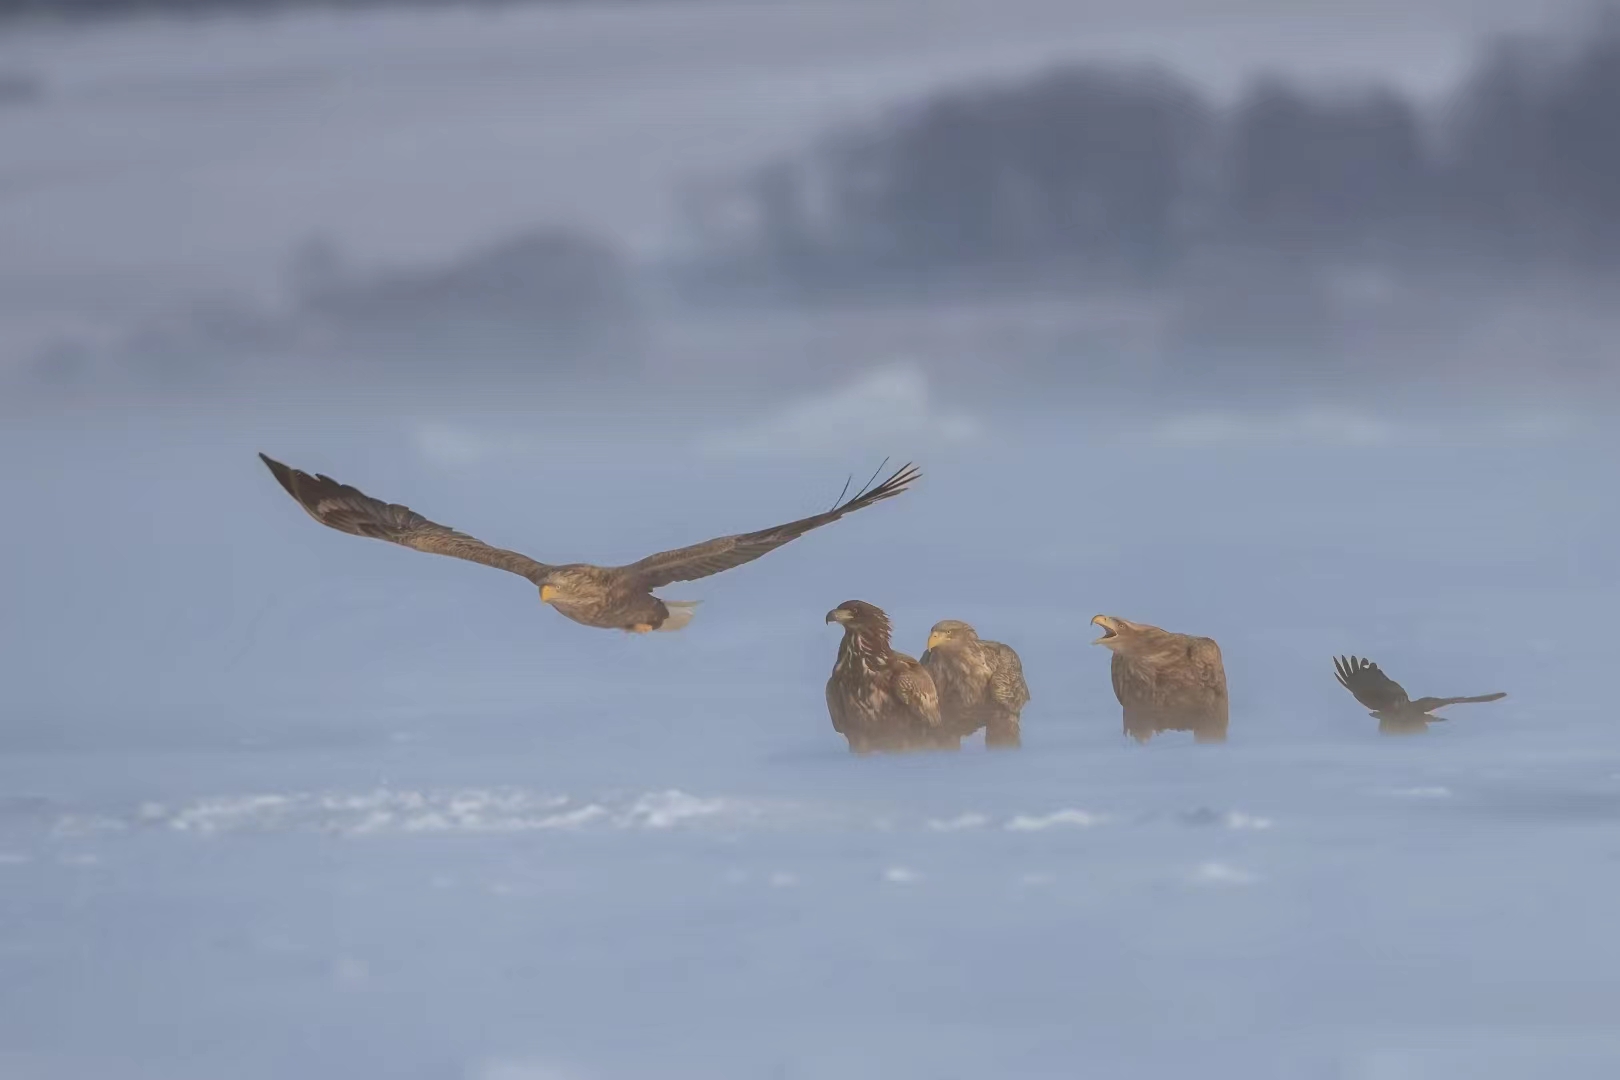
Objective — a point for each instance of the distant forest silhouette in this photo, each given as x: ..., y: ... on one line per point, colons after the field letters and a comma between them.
x: 1140, y: 230
x: 1132, y: 174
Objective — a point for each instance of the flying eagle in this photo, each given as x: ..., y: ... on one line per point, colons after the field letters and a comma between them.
x: 1165, y: 681
x: 980, y: 683
x: 1397, y: 714
x: 880, y: 699
x: 610, y: 597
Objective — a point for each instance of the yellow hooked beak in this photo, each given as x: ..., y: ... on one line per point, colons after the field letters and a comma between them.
x: 1108, y: 631
x: 935, y: 638
x: 548, y: 593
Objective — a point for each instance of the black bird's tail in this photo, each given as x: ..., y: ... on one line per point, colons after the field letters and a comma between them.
x: 1430, y: 704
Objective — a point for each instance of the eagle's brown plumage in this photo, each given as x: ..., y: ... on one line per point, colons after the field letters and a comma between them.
x: 1397, y: 714
x: 880, y: 699
x: 980, y: 683
x: 1165, y: 681
x: 610, y: 597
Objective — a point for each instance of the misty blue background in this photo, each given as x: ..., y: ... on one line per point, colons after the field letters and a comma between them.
x: 276, y: 801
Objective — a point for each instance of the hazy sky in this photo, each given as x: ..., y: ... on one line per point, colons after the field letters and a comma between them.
x: 168, y: 158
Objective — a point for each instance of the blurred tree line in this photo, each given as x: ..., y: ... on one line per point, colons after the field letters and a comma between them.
x: 1129, y: 174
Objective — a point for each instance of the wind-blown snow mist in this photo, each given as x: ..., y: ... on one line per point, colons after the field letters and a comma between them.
x: 265, y: 779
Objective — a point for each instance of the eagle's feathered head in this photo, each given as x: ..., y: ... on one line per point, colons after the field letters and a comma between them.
x: 1119, y: 634
x: 858, y: 615
x: 951, y: 630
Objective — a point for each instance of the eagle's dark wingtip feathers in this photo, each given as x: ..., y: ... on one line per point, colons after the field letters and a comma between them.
x: 848, y: 480
x: 902, y: 478
x: 871, y: 479
x: 867, y: 494
x: 284, y: 474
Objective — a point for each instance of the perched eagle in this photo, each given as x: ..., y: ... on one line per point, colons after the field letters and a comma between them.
x: 610, y: 597
x: 1397, y: 714
x: 880, y: 699
x: 980, y: 683
x: 1165, y: 681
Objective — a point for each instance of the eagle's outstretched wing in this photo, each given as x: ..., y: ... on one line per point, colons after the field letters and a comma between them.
x: 348, y: 509
x: 1370, y: 686
x: 723, y: 553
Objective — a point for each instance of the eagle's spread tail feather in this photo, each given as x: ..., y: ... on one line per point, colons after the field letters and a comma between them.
x: 680, y: 613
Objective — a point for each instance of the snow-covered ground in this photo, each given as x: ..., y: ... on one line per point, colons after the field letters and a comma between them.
x: 279, y: 802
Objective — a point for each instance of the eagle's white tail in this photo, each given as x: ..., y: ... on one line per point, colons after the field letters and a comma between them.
x: 680, y: 613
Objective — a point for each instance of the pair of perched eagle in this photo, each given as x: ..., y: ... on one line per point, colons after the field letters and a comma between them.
x: 880, y: 699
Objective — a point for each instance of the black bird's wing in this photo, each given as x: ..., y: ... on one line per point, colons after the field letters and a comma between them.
x: 1370, y: 686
